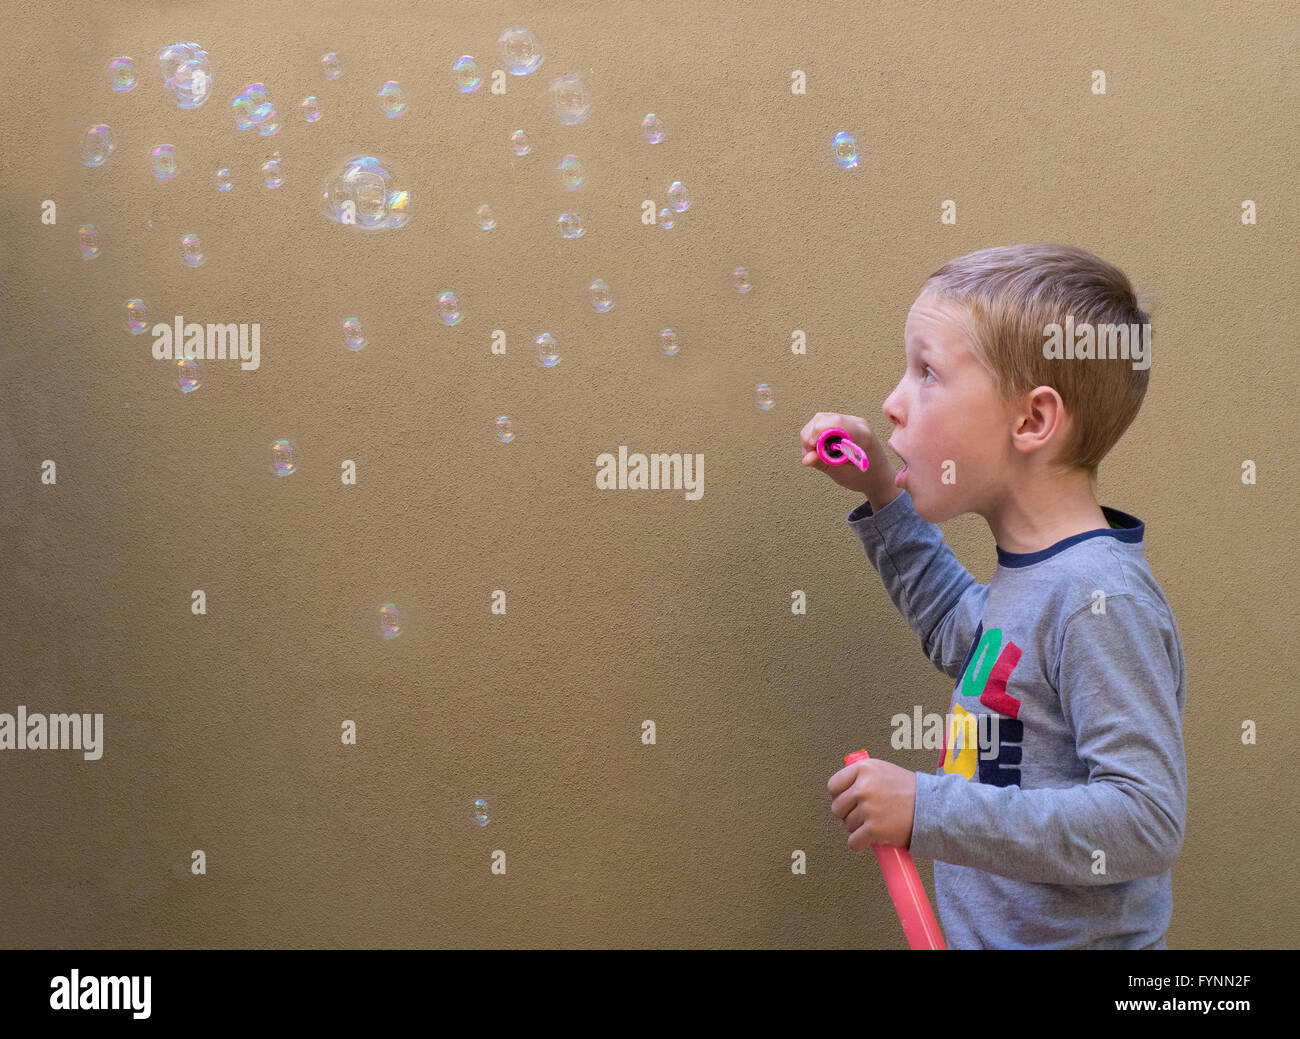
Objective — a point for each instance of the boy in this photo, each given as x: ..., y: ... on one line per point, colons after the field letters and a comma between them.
x: 1058, y: 806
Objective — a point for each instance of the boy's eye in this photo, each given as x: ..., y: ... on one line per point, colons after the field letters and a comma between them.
x: 925, y: 369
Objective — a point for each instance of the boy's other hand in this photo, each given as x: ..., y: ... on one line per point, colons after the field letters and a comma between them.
x: 877, y: 483
x: 876, y: 802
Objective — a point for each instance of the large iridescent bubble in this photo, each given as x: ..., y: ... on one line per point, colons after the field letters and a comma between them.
x: 185, y: 72
x: 519, y: 52
x: 362, y: 192
x: 253, y: 107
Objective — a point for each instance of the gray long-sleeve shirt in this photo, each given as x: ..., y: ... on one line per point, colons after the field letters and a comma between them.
x: 1055, y: 820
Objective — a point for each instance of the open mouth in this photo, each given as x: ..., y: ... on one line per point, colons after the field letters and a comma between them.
x: 898, y: 477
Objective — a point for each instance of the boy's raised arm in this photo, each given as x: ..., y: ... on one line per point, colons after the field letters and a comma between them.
x: 937, y: 596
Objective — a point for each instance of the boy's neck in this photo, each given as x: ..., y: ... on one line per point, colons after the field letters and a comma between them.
x: 1039, y: 513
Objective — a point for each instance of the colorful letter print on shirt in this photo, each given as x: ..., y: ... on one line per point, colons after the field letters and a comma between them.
x: 984, y: 678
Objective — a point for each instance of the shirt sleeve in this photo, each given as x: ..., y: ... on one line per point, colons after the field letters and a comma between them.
x: 938, y: 597
x: 1120, y: 679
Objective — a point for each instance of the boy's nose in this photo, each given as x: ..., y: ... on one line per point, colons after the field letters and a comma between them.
x: 891, y: 410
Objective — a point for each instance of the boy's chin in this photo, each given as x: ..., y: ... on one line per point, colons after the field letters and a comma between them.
x: 935, y: 513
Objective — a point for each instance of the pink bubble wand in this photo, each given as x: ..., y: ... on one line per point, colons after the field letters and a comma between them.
x: 835, y: 447
x: 905, y: 888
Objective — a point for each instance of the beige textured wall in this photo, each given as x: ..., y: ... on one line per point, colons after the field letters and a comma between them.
x: 222, y: 732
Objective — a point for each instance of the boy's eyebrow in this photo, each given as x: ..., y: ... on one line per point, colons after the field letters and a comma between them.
x: 922, y: 347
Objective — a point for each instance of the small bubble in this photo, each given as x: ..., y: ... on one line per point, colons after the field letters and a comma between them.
x: 653, y: 128
x: 310, y: 109
x: 571, y: 175
x: 352, y: 337
x: 164, y: 162
x: 480, y: 815
x: 465, y: 74
x: 668, y: 340
x: 519, y: 51
x: 96, y: 145
x: 192, y: 250
x: 390, y: 623
x: 548, y: 352
x: 602, y: 297
x: 678, y: 200
x: 666, y: 219
x: 845, y: 151
x: 505, y: 431
x: 570, y: 225
x: 765, y: 397
x: 569, y: 99
x: 187, y: 374
x: 330, y: 63
x: 485, y: 218
x: 519, y: 142
x: 88, y: 238
x: 449, y: 308
x: 282, y: 463
x: 136, y: 316
x: 121, y: 74
x: 271, y: 171
x: 392, y: 100
x: 741, y: 278
x: 224, y: 182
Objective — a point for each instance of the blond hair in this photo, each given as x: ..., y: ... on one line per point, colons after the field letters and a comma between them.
x: 1012, y: 293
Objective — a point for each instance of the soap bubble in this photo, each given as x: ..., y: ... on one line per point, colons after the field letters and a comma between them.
x: 465, y: 74
x: 192, y: 250
x: 96, y: 145
x: 570, y: 225
x: 449, y: 308
x: 164, y: 162
x: 361, y: 193
x: 519, y: 51
x: 602, y: 297
x: 390, y: 623
x: 845, y: 150
x: 224, y: 182
x: 480, y: 815
x: 136, y: 316
x: 764, y: 397
x: 668, y: 339
x: 271, y: 171
x: 519, y: 142
x: 330, y: 63
x: 310, y: 109
x: 88, y: 239
x: 391, y: 99
x: 678, y: 200
x: 485, y: 218
x: 665, y: 219
x: 569, y: 99
x: 505, y: 432
x: 121, y: 75
x: 741, y: 277
x: 352, y: 337
x: 187, y: 374
x: 653, y: 128
x: 571, y: 175
x: 253, y: 107
x: 548, y: 355
x: 185, y: 73
x: 282, y: 463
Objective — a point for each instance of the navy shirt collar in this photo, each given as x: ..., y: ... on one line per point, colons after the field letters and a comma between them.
x: 1123, y: 527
